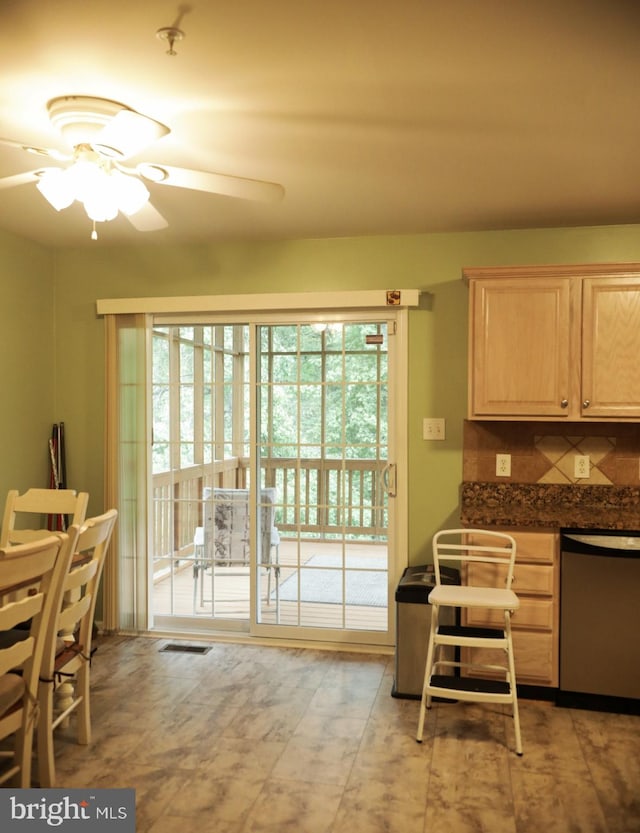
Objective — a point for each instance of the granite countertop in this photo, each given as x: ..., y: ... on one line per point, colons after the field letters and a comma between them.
x: 550, y: 505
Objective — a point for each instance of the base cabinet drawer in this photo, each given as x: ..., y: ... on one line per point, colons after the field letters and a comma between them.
x: 532, y: 547
x: 534, y: 656
x: 533, y: 579
x: 532, y: 613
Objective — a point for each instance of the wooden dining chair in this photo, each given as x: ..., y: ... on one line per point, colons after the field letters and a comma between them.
x: 67, y: 653
x: 25, y: 516
x: 40, y: 566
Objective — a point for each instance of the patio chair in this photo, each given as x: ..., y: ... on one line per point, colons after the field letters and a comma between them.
x: 223, y: 540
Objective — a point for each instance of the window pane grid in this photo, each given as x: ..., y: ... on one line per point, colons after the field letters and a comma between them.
x: 321, y: 433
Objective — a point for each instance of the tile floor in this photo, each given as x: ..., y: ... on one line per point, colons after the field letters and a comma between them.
x: 248, y: 739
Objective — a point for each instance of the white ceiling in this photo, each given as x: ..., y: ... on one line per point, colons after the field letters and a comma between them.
x: 377, y: 117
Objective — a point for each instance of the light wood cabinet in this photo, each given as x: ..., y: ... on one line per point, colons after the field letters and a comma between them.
x: 611, y: 347
x: 554, y: 342
x: 535, y: 624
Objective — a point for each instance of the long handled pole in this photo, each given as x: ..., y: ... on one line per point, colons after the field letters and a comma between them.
x: 55, y: 522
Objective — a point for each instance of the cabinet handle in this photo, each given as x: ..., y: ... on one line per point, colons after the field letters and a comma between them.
x: 564, y: 403
x: 586, y: 403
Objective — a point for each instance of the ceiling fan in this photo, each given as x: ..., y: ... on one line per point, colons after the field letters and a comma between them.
x: 103, y: 134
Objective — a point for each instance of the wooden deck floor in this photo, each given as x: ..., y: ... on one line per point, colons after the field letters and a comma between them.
x: 178, y: 595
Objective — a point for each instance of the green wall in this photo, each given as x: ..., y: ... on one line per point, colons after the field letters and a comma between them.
x: 438, y: 331
x: 27, y: 368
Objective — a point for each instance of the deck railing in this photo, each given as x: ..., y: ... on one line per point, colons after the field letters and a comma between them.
x: 314, y: 497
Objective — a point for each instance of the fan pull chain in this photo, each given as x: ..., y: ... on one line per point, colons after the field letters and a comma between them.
x: 94, y: 233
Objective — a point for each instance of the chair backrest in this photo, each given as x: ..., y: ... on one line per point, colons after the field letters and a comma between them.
x: 226, y: 523
x: 39, y: 565
x: 77, y: 602
x: 485, y: 558
x: 32, y: 566
x: 29, y: 508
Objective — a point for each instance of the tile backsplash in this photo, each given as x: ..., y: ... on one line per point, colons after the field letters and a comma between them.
x: 544, y: 452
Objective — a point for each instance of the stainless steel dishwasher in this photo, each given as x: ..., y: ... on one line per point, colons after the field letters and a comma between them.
x: 600, y: 620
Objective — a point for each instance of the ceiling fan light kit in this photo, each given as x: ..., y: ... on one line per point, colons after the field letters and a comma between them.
x: 96, y: 183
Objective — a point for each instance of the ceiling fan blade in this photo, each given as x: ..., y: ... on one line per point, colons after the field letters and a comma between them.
x: 128, y: 133
x: 51, y: 152
x: 147, y: 219
x: 22, y: 179
x: 212, y: 183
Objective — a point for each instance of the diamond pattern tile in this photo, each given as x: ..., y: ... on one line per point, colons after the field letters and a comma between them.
x: 560, y: 452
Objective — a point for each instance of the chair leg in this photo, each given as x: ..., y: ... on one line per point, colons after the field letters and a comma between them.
x: 512, y: 684
x: 83, y: 683
x: 46, y: 764
x: 22, y: 751
x: 273, y: 565
x: 425, y: 700
x: 196, y: 572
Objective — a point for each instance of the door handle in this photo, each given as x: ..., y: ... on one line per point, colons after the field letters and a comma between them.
x: 388, y: 478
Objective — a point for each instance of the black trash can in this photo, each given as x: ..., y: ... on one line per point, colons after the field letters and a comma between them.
x: 413, y: 623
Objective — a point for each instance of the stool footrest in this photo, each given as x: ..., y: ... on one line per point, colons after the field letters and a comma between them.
x: 471, y: 684
x: 467, y: 631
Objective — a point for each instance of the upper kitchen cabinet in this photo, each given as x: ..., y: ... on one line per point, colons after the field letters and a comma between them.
x: 611, y: 347
x: 554, y: 342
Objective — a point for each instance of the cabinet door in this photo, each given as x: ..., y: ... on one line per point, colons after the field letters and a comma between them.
x: 521, y: 347
x: 611, y: 347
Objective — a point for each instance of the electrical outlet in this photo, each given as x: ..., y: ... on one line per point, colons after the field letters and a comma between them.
x: 503, y: 465
x: 581, y: 466
x: 432, y: 429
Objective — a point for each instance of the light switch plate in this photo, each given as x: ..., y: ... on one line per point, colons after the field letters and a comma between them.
x: 432, y: 428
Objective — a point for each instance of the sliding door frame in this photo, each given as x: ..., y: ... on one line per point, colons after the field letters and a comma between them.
x: 126, y: 605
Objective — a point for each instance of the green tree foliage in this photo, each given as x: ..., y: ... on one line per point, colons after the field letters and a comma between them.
x: 322, y: 390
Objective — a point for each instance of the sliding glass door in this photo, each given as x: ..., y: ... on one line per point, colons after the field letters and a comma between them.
x: 200, y: 475
x: 322, y: 452
x: 261, y: 496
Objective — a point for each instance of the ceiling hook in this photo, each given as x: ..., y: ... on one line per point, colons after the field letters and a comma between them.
x: 171, y: 34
